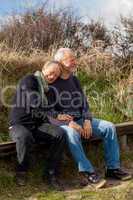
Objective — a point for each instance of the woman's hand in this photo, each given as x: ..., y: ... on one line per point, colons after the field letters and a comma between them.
x: 76, y: 126
x: 64, y: 117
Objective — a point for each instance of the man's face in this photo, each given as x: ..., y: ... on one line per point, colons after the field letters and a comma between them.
x: 69, y: 63
x: 51, y: 73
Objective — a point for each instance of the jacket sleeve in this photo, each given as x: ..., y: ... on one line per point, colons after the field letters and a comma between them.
x: 86, y: 114
x: 31, y: 97
x: 52, y: 104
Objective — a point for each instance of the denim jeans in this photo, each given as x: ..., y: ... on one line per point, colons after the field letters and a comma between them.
x: 102, y: 129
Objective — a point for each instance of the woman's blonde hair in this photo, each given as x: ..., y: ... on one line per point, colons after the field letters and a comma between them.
x: 47, y: 64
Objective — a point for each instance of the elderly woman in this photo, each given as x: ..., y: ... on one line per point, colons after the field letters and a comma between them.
x: 29, y: 123
x: 73, y: 114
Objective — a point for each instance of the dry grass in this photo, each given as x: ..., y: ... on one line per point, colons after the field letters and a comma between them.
x: 11, y: 60
x: 96, y: 62
x: 125, y: 95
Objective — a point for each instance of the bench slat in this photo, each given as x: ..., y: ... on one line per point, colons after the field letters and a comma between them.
x: 126, y: 128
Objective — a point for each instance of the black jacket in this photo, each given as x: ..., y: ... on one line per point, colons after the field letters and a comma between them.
x: 27, y: 106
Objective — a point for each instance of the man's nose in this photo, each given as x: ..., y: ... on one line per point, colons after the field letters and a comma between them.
x: 74, y: 62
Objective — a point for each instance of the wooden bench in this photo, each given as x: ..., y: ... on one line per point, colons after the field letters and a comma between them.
x: 123, y: 130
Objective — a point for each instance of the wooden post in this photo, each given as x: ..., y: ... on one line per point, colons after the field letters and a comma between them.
x: 124, y: 130
x: 123, y: 143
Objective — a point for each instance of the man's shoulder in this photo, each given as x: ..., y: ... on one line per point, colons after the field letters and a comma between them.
x: 75, y: 78
x: 76, y: 81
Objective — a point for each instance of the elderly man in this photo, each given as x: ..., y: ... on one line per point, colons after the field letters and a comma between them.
x: 73, y: 114
x: 29, y: 123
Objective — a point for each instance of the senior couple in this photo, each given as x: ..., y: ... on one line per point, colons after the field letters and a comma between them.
x: 49, y: 106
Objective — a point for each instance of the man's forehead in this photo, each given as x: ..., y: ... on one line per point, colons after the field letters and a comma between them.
x: 69, y: 56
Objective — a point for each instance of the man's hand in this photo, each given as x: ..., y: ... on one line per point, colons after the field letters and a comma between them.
x: 76, y: 126
x: 87, y: 129
x: 64, y: 117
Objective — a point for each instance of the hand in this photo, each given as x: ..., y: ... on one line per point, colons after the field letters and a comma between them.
x: 87, y: 129
x: 64, y: 117
x: 76, y: 126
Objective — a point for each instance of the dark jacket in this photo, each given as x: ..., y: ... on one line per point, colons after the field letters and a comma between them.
x: 28, y: 108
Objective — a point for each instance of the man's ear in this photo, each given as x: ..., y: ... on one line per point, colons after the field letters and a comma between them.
x: 61, y: 69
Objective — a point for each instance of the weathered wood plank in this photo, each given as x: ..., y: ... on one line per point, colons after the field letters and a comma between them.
x: 125, y: 128
x: 7, y: 146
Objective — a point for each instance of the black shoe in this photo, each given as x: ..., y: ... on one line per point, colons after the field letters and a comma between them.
x: 52, y: 181
x: 118, y: 174
x: 21, y: 178
x: 94, y: 179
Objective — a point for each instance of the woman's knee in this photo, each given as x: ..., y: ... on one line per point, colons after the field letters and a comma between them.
x: 26, y: 140
x: 23, y: 135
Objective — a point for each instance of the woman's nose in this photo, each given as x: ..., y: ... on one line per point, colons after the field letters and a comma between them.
x: 51, y: 76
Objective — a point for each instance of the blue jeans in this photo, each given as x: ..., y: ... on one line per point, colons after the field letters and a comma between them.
x: 102, y: 129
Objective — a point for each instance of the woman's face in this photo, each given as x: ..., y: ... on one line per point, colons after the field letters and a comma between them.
x: 51, y: 73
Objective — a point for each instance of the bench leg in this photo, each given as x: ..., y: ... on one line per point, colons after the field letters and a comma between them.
x: 123, y: 143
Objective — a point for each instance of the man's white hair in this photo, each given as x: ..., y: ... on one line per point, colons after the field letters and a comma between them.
x: 61, y: 52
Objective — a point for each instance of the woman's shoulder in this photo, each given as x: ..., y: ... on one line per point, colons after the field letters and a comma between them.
x: 29, y: 80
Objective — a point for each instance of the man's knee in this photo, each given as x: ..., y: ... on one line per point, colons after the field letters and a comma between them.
x: 110, y: 126
x: 110, y: 129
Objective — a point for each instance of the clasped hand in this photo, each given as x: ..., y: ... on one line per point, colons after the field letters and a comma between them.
x: 85, y: 131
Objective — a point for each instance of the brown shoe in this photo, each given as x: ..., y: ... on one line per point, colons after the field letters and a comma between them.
x: 94, y: 180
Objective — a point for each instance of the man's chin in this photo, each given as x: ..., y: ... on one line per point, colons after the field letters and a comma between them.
x: 71, y: 70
